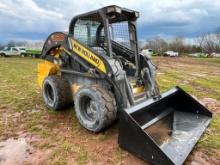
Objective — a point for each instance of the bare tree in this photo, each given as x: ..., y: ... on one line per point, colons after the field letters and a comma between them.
x: 200, y: 41
x: 158, y: 44
x: 177, y: 44
x: 34, y: 45
x: 218, y: 40
x: 21, y: 43
x: 209, y: 42
x: 11, y: 43
x: 206, y: 43
x: 193, y: 49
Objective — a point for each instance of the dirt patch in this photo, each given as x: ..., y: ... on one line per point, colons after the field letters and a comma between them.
x: 134, y: 161
x: 34, y: 156
x: 212, y: 104
x: 179, y: 61
x: 20, y: 150
x: 13, y: 151
x: 8, y: 123
x: 38, y: 157
x: 200, y: 158
x: 103, y: 150
x: 6, y: 114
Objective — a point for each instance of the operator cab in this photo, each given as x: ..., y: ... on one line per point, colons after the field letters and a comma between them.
x: 109, y: 32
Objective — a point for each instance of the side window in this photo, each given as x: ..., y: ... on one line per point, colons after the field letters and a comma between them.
x: 119, y: 33
x: 14, y: 49
x: 80, y: 32
x: 22, y: 49
x: 85, y: 31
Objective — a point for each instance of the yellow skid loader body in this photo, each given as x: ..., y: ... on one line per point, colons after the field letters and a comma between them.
x: 45, y: 69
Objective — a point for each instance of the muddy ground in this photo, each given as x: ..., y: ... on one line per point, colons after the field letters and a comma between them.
x: 32, y: 134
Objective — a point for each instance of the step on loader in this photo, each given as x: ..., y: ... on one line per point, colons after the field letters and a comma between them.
x: 97, y: 65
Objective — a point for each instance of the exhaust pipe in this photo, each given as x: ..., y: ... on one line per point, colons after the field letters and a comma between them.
x: 163, y: 131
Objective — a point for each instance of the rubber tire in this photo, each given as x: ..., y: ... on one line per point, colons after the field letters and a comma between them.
x: 22, y: 55
x: 3, y: 55
x: 106, y: 107
x: 61, y: 92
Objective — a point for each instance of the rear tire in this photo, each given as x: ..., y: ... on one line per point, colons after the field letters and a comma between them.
x: 56, y: 92
x: 22, y: 55
x: 95, y: 108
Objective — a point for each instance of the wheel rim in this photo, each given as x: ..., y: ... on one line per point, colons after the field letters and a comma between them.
x: 89, y: 109
x: 49, y: 93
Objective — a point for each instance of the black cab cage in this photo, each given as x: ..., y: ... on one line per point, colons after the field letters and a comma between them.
x: 104, y: 19
x: 112, y: 13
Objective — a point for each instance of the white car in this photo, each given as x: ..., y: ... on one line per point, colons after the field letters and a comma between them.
x: 12, y: 51
x: 216, y: 54
x: 171, y: 54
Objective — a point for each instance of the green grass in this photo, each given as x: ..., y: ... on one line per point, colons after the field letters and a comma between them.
x: 211, y: 139
x: 119, y: 155
x: 82, y: 156
x: 61, y: 132
x: 18, y: 84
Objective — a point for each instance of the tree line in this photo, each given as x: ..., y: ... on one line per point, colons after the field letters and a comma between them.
x: 28, y: 44
x: 207, y: 43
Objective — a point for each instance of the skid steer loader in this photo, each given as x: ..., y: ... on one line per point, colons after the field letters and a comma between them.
x: 97, y: 66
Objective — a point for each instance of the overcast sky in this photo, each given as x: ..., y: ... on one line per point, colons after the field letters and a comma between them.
x: 36, y: 19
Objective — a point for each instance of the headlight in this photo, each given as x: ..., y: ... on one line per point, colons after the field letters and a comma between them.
x: 57, y: 62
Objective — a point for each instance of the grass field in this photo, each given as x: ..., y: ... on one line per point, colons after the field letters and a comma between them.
x: 57, y: 137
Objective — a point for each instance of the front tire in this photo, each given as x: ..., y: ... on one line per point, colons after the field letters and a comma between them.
x: 95, y: 108
x: 56, y: 92
x: 3, y: 55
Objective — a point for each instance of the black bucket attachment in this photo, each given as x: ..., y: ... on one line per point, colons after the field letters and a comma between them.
x: 163, y: 131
